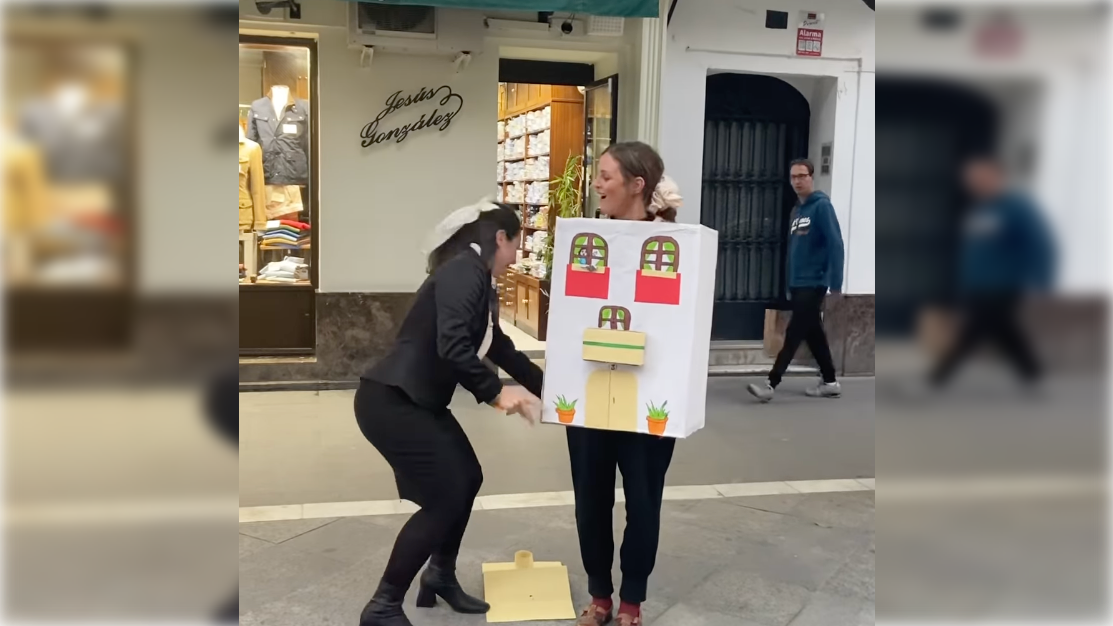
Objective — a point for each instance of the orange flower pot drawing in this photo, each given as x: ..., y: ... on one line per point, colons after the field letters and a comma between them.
x: 658, y: 418
x: 566, y: 411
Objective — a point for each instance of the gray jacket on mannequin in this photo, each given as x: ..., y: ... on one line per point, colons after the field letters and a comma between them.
x: 285, y: 140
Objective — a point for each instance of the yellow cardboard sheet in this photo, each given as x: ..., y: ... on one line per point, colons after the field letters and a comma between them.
x: 604, y: 345
x: 526, y: 590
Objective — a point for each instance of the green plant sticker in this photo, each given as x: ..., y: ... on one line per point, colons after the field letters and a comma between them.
x: 564, y: 405
x: 658, y: 412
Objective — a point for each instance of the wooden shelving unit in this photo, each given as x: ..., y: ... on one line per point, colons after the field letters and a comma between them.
x: 523, y: 298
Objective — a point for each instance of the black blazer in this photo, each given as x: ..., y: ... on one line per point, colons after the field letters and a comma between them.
x: 437, y: 346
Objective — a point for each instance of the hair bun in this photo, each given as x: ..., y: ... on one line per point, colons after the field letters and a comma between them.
x: 665, y: 196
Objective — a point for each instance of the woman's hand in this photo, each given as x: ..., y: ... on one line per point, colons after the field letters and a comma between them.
x: 515, y: 399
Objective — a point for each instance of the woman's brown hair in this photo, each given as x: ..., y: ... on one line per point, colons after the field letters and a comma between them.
x: 638, y: 160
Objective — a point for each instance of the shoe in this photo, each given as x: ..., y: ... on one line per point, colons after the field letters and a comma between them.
x: 385, y: 607
x: 441, y: 581
x: 763, y: 392
x: 825, y: 390
x: 595, y: 615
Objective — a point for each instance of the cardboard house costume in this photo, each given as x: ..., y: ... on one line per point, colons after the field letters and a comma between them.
x: 629, y: 326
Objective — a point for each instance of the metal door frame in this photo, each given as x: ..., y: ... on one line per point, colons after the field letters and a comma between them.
x: 742, y: 316
x: 587, y: 130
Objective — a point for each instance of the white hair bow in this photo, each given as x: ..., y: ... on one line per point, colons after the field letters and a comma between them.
x: 456, y: 220
x: 665, y: 196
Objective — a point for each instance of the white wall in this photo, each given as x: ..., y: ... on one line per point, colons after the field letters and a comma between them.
x: 739, y: 25
x: 379, y: 203
x: 823, y: 101
x: 715, y: 36
x: 860, y: 234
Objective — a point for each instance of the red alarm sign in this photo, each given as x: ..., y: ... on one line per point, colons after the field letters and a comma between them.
x: 809, y: 42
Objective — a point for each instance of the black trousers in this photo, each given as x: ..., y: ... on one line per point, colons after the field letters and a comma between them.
x: 994, y: 318
x: 643, y: 461
x: 806, y: 325
x: 435, y: 466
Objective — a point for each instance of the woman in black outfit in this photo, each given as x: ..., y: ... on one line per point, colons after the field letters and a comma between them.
x: 402, y: 404
x: 631, y: 185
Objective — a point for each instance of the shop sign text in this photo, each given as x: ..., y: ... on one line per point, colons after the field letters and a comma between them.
x: 809, y: 42
x: 448, y: 107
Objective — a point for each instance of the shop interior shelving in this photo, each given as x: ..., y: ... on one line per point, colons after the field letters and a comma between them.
x: 524, y: 299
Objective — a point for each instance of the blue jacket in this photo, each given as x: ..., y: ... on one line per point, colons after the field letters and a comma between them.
x: 815, y: 250
x: 1006, y: 246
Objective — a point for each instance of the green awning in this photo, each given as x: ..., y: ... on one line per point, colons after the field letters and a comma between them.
x: 616, y: 8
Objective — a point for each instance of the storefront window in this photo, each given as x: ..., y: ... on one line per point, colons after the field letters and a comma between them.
x: 275, y: 169
x: 66, y: 163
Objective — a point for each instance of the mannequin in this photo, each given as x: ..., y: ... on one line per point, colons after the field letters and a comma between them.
x: 279, y: 122
x: 253, y: 213
x: 280, y: 96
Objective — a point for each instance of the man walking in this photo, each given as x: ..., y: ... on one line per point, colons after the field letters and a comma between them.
x: 815, y: 258
x: 1007, y: 251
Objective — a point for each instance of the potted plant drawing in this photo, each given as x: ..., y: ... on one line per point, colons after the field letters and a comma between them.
x: 657, y: 418
x: 566, y: 411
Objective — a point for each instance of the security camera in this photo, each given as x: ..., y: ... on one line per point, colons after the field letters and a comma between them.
x: 266, y: 6
x: 566, y: 27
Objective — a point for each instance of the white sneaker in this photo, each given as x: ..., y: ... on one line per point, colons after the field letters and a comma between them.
x: 825, y: 390
x: 763, y: 392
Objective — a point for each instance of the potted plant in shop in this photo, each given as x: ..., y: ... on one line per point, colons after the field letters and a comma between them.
x: 565, y: 199
x: 566, y: 411
x: 658, y: 417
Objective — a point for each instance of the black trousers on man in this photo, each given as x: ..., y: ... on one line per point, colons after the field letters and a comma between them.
x: 806, y: 325
x: 643, y: 460
x: 993, y: 318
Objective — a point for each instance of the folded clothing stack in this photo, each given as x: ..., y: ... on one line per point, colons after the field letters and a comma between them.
x: 286, y: 234
x: 288, y: 270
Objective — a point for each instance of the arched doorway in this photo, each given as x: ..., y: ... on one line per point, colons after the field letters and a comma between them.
x: 753, y: 127
x: 925, y: 130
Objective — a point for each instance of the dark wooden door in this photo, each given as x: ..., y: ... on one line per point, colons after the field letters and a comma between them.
x: 753, y: 127
x: 925, y: 129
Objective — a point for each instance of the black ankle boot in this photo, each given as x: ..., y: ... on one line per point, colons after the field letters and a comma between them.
x: 385, y: 607
x: 441, y: 581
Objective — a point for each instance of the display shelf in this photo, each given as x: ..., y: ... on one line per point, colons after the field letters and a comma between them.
x: 524, y: 297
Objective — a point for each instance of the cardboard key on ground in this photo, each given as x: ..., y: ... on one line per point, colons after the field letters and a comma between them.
x: 526, y: 590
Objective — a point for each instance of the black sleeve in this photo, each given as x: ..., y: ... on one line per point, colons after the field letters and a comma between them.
x: 521, y: 369
x: 460, y: 292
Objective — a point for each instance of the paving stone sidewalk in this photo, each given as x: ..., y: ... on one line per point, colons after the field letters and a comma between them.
x: 799, y: 560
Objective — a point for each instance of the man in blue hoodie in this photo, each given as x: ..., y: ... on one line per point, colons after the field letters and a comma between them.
x: 815, y: 259
x: 1007, y: 251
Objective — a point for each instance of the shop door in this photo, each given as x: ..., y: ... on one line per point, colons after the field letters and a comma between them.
x: 753, y: 127
x: 918, y: 224
x: 600, y: 131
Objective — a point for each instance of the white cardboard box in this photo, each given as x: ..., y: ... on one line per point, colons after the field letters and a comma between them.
x: 629, y: 326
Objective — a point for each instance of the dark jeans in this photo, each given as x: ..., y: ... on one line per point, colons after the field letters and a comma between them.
x: 643, y: 460
x: 435, y: 467
x: 806, y: 325
x: 994, y: 318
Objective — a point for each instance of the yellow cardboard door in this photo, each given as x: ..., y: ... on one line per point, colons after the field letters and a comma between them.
x: 624, y: 401
x: 598, y: 406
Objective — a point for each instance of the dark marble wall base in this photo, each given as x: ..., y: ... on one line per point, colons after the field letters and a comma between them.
x: 178, y: 340
x: 1068, y: 333
x: 353, y: 330
x: 848, y: 322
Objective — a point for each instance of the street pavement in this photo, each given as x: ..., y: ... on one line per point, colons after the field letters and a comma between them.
x: 804, y: 556
x: 804, y: 560
x: 300, y: 447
